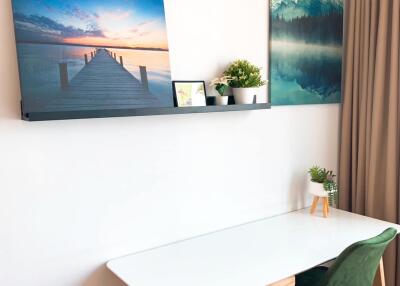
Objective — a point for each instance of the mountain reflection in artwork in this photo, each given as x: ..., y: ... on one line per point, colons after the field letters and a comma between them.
x: 306, y: 51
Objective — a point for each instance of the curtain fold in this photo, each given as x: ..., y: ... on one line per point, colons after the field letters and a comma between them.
x: 369, y: 163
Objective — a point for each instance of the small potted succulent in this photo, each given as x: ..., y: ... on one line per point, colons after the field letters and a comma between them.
x: 323, y: 183
x: 221, y: 85
x: 245, y: 80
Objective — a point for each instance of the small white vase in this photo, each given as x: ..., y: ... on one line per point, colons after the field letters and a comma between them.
x: 245, y: 95
x: 221, y: 100
x: 317, y: 189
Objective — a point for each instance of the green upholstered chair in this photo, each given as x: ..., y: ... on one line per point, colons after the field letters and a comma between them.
x: 356, y: 265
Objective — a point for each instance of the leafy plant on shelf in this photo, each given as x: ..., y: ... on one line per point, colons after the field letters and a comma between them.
x: 221, y: 84
x: 243, y: 74
x: 327, y: 179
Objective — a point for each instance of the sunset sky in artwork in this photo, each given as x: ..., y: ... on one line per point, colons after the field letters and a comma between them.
x: 117, y: 23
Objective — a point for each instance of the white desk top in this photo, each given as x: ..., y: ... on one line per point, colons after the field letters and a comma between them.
x: 254, y: 254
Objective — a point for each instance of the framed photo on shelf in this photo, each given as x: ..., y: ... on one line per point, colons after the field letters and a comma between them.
x: 189, y: 93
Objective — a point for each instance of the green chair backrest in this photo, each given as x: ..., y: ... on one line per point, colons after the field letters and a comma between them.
x: 357, y: 264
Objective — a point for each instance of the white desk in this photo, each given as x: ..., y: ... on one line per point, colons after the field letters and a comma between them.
x: 254, y: 254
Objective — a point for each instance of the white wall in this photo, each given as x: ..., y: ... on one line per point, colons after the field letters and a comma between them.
x: 74, y: 194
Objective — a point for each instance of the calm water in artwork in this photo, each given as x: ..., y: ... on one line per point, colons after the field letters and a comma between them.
x: 306, y: 51
x: 40, y: 77
x: 125, y: 45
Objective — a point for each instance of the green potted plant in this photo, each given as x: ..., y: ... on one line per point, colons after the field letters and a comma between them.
x: 323, y: 183
x: 221, y: 84
x: 245, y: 80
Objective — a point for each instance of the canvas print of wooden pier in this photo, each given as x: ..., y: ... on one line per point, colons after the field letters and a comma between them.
x: 305, y: 51
x: 92, y: 55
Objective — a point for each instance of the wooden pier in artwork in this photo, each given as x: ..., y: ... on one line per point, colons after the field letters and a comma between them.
x: 104, y: 77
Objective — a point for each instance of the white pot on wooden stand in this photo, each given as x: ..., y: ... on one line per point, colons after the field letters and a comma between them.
x: 318, y: 191
x: 245, y: 95
x: 221, y: 100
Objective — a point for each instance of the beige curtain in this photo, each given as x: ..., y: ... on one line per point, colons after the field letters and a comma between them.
x: 370, y: 133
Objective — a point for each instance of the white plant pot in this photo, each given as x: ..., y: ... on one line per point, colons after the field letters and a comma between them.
x: 245, y: 95
x: 221, y: 100
x: 317, y: 189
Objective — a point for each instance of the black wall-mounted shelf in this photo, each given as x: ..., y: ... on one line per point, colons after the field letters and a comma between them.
x: 61, y: 115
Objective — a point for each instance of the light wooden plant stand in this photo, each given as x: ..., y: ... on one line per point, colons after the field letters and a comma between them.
x: 317, y: 190
x: 325, y: 205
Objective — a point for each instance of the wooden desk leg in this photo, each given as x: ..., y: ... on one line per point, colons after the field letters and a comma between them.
x: 314, y: 205
x: 286, y: 282
x: 380, y: 275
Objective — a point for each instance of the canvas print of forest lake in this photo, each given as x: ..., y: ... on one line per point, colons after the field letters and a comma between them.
x: 92, y: 55
x: 306, y: 51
